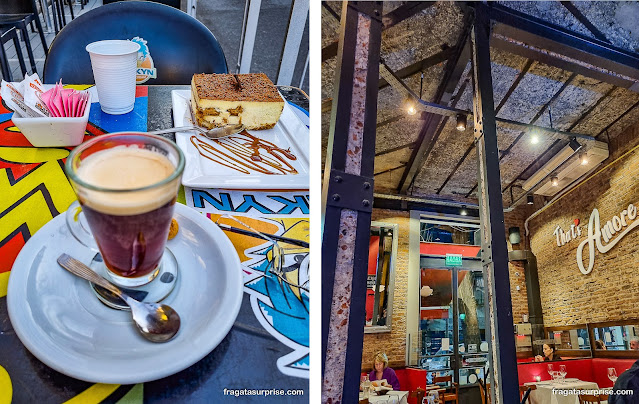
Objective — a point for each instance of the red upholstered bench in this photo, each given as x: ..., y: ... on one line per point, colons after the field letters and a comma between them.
x: 577, y: 368
x: 591, y: 369
x: 600, y: 369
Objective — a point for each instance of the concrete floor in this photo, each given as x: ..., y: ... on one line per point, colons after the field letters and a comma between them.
x: 224, y: 19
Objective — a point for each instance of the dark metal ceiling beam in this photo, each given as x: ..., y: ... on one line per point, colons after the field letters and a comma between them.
x: 572, y: 126
x: 584, y: 20
x: 390, y: 169
x: 407, y: 71
x: 514, y: 85
x: 536, y: 39
x: 406, y: 10
x: 441, y: 127
x: 454, y: 170
x: 539, y: 114
x: 393, y: 149
x: 428, y: 135
x: 403, y: 12
x: 421, y: 65
x: 543, y: 109
x: 452, y: 111
x: 330, y: 10
x: 633, y: 106
x: 470, y: 148
x: 390, y: 120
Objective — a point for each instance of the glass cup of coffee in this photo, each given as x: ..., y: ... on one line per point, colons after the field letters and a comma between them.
x: 127, y: 185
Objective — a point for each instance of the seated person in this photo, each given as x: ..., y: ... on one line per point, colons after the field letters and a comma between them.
x: 634, y: 343
x: 382, y: 371
x: 549, y: 354
x: 628, y: 380
x: 599, y: 344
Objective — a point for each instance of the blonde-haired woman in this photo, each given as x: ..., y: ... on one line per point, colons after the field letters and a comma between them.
x: 382, y: 371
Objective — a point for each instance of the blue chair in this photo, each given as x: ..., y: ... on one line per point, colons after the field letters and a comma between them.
x: 6, y: 36
x: 172, y: 3
x: 179, y: 45
x: 19, y: 14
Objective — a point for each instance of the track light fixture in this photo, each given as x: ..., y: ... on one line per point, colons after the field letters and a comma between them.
x: 574, y: 144
x: 461, y: 122
x: 554, y: 181
x: 531, y: 199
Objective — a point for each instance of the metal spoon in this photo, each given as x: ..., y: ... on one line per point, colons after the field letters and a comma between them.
x: 212, y: 133
x: 156, y: 322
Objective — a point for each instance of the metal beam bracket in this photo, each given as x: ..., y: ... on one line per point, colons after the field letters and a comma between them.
x: 349, y: 191
x: 364, y: 7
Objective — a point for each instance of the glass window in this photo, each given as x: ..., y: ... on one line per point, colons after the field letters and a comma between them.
x: 576, y: 338
x: 449, y: 233
x: 380, y: 281
x: 618, y: 337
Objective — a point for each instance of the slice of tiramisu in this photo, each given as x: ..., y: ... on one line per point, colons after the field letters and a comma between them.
x: 248, y: 99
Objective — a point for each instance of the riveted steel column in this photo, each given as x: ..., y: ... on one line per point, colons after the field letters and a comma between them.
x: 348, y: 200
x: 504, y: 384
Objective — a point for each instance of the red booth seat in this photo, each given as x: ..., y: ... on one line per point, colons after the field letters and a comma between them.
x: 591, y: 369
x: 600, y: 369
x: 578, y: 368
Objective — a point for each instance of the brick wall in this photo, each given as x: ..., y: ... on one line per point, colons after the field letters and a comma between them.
x: 393, y: 343
x: 609, y: 291
x: 519, y: 298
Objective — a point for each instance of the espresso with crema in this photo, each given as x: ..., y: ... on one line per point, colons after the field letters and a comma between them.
x: 130, y: 216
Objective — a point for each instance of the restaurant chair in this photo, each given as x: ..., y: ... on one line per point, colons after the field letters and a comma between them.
x: 589, y: 399
x: 179, y: 45
x: 524, y: 398
x: 419, y: 393
x: 452, y: 391
x: 59, y: 17
x: 19, y: 14
x: 7, y: 35
x: 524, y: 389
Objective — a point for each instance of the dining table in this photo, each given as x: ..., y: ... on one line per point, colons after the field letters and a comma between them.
x: 558, y: 391
x: 265, y: 355
x: 392, y: 397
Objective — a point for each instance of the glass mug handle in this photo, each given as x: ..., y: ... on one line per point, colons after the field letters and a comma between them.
x: 78, y: 226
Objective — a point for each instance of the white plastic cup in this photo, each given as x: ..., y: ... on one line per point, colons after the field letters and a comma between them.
x: 114, y: 64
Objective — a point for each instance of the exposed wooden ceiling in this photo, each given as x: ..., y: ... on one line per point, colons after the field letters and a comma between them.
x: 423, y: 44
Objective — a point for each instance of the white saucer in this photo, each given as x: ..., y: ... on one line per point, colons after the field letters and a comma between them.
x: 58, y: 318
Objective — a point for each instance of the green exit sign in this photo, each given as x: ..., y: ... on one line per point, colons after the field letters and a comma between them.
x: 453, y: 260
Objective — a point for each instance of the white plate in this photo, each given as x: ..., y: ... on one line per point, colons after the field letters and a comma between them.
x: 59, y: 319
x: 289, y: 132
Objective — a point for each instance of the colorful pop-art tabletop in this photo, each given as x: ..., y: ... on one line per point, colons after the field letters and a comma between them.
x: 267, y: 348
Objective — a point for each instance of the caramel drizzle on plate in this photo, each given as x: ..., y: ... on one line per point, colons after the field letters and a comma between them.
x: 244, y: 152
